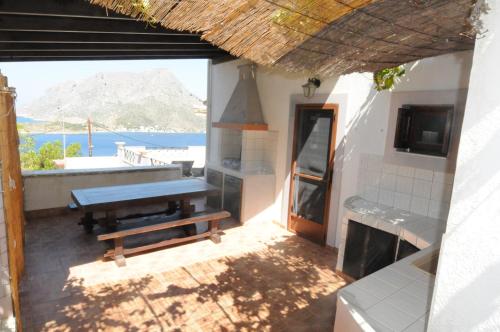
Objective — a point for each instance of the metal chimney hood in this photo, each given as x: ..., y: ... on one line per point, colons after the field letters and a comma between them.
x: 243, y: 111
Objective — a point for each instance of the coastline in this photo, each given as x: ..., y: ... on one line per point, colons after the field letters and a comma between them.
x: 124, y: 131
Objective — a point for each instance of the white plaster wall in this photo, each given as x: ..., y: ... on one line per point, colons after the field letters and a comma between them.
x: 279, y: 95
x: 52, y: 189
x: 362, y: 120
x: 467, y: 289
x: 6, y: 314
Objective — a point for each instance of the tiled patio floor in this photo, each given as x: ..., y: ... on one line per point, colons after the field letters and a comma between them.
x: 259, y: 278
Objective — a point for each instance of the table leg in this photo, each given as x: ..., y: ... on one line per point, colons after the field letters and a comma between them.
x: 186, y: 211
x: 213, y: 228
x: 172, y: 207
x: 119, y: 257
x: 88, y: 222
x: 111, y: 222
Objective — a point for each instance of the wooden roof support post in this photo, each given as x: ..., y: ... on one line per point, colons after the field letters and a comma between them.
x: 11, y: 185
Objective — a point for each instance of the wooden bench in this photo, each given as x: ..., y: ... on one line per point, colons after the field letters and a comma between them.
x: 119, y: 252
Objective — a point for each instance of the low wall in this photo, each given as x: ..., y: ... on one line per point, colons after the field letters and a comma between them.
x: 51, y: 190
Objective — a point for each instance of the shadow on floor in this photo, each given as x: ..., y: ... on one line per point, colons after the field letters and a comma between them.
x: 288, y: 285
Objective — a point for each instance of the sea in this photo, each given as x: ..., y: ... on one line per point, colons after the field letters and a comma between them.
x: 104, y: 142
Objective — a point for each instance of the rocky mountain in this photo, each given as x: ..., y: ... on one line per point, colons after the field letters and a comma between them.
x: 151, y: 100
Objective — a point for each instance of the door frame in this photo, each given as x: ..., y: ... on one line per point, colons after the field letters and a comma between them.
x: 333, y: 136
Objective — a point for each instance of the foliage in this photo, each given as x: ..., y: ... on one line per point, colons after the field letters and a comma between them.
x: 144, y: 7
x: 386, y: 78
x: 43, y: 159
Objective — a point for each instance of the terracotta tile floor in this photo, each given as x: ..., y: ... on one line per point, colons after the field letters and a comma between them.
x: 259, y: 278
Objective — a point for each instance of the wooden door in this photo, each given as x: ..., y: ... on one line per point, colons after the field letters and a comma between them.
x: 312, y: 170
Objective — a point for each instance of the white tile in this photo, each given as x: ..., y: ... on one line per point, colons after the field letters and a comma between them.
x: 419, y: 205
x: 358, y: 297
x: 393, y: 277
x: 402, y: 201
x: 406, y: 171
x: 386, y: 197
x: 372, y: 178
x: 389, y: 227
x: 428, y: 237
x: 441, y: 192
x: 420, y: 289
x: 408, y: 236
x: 422, y: 188
x: 390, y: 169
x: 370, y: 220
x: 388, y: 181
x: 413, y: 306
x: 404, y: 184
x: 390, y: 316
x: 418, y: 326
x: 438, y: 209
x: 375, y: 163
x: 371, y: 193
x: 424, y: 174
x: 441, y: 177
x: 376, y: 287
x: 351, y: 215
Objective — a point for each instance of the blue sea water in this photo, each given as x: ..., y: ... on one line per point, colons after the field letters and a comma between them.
x: 23, y: 119
x: 104, y: 143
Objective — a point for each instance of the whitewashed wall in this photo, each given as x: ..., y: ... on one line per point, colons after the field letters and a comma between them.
x: 52, y: 189
x: 363, y: 119
x: 6, y: 315
x: 467, y: 289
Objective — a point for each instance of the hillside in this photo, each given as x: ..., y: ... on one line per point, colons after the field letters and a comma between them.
x: 151, y: 100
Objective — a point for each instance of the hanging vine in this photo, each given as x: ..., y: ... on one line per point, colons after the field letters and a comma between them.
x: 386, y: 78
x: 143, y: 7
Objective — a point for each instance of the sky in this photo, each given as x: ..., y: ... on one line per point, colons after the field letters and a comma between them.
x: 31, y: 79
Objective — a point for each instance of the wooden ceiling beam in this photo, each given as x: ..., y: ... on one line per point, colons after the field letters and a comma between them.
x: 10, y: 22
x: 81, y: 37
x: 109, y: 53
x: 8, y: 46
x: 39, y: 57
x: 66, y: 8
x: 47, y: 30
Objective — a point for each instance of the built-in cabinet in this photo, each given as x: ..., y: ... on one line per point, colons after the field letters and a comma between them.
x: 248, y: 197
x: 368, y: 249
x: 231, y: 193
x: 215, y: 178
x: 233, y: 190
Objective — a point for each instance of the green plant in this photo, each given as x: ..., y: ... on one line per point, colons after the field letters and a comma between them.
x: 43, y: 159
x: 144, y: 7
x: 386, y: 78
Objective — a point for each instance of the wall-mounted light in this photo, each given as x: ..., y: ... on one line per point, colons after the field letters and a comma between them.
x: 310, y: 87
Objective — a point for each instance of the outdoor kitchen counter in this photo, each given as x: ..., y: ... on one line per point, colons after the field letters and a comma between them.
x: 397, y: 297
x: 244, y: 173
x: 419, y: 230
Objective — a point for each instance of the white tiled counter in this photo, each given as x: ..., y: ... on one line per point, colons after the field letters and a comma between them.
x: 421, y: 231
x: 395, y: 298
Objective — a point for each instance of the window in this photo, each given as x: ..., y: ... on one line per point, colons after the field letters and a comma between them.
x: 424, y: 129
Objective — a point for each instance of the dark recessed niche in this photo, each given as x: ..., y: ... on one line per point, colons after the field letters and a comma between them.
x: 424, y: 129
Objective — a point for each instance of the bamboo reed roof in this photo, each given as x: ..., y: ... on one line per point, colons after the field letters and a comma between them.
x: 322, y: 37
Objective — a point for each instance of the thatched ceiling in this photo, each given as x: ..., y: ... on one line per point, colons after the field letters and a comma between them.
x: 325, y: 37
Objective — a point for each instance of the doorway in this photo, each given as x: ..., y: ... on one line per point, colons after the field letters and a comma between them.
x: 312, y: 170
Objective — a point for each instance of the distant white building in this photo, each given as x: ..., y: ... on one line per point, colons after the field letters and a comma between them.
x: 130, y: 156
x: 142, y: 156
